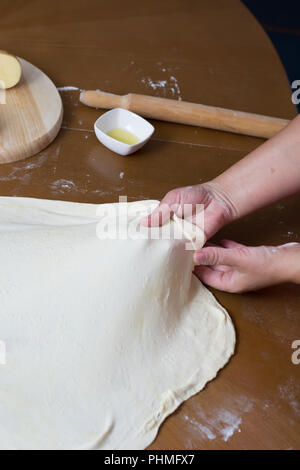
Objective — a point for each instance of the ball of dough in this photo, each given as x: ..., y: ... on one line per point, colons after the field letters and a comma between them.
x: 10, y: 70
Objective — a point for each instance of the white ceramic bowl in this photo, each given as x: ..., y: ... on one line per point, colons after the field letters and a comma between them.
x: 123, y: 119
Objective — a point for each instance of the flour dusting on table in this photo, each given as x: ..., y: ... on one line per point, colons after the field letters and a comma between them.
x: 166, y: 85
x: 68, y: 88
x: 221, y: 423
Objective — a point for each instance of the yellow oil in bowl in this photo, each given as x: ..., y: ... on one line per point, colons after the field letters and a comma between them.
x: 123, y: 136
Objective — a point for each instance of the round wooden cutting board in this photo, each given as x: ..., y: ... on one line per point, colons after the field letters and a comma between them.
x: 30, y: 115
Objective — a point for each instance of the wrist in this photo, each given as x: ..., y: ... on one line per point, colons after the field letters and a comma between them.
x: 288, y: 262
x: 225, y: 209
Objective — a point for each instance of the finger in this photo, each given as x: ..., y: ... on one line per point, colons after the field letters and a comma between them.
x: 221, y: 267
x: 162, y: 212
x: 159, y: 216
x: 212, y: 278
x: 213, y: 255
x: 230, y: 244
x: 207, y: 244
x: 217, y: 267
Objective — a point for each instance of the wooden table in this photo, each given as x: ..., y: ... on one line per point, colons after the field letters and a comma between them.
x: 211, y: 52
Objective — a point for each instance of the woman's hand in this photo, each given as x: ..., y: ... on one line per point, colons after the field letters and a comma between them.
x: 218, y: 209
x: 233, y: 267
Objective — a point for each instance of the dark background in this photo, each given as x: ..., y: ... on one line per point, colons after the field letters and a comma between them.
x: 281, y: 21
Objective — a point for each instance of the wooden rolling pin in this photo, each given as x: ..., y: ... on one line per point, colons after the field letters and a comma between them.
x: 187, y: 113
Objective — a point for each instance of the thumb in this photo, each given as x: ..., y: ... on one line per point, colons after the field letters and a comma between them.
x: 214, y: 255
x: 162, y: 212
x: 159, y: 216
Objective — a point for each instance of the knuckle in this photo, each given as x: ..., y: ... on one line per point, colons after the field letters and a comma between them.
x: 243, y: 251
x: 171, y: 196
x: 214, y: 256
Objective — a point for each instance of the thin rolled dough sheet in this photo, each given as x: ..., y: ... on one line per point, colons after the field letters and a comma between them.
x: 104, y: 338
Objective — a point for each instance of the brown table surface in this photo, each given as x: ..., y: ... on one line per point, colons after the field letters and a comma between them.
x: 217, y: 54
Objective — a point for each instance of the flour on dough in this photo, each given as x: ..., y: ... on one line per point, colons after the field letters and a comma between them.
x: 104, y: 338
